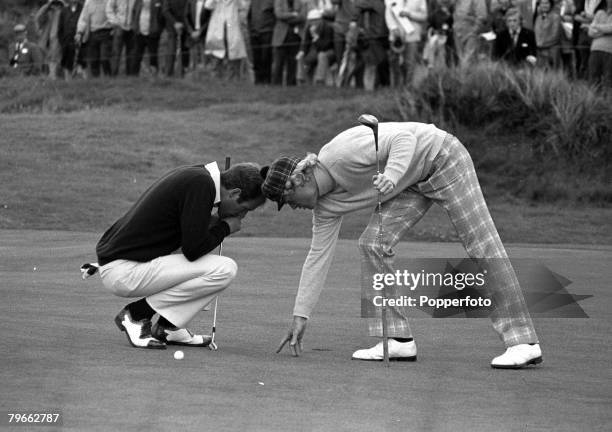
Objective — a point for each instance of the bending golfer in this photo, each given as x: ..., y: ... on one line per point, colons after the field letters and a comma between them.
x: 420, y: 165
x: 139, y: 258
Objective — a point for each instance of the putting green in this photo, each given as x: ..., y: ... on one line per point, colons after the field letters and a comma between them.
x: 61, y: 351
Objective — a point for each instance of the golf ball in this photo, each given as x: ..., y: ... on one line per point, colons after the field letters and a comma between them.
x: 178, y: 355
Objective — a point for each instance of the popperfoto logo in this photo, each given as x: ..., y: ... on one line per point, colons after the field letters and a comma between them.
x: 456, y: 288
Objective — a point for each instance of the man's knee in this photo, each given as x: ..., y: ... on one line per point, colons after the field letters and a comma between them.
x: 227, y: 269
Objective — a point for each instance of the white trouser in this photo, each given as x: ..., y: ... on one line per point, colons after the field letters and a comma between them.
x: 174, y: 287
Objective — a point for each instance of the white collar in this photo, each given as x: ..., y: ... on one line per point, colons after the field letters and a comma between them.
x: 213, y: 169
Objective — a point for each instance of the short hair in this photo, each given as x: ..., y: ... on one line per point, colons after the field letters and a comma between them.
x: 513, y: 12
x: 246, y: 177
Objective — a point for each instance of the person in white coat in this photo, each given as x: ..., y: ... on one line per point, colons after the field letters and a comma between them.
x: 224, y: 38
x: 404, y: 19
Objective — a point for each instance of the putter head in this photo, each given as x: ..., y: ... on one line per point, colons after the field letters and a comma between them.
x: 213, y: 346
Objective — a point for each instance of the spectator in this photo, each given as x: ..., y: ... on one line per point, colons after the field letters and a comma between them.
x: 25, y: 57
x: 174, y: 15
x: 547, y: 29
x: 317, y: 49
x: 94, y: 28
x: 147, y: 25
x: 440, y: 34
x: 469, y: 21
x: 567, y: 9
x: 404, y: 20
x: 515, y: 45
x: 247, y: 64
x: 369, y: 19
x: 324, y: 10
x: 224, y: 38
x: 47, y: 21
x: 261, y: 21
x: 528, y: 9
x: 345, y: 10
x: 67, y: 30
x: 497, y: 17
x: 290, y: 16
x: 119, y: 13
x: 585, y: 11
x: 600, y: 59
x: 196, y: 20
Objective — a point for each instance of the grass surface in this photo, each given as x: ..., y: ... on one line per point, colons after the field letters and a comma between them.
x: 76, y: 155
x: 62, y: 351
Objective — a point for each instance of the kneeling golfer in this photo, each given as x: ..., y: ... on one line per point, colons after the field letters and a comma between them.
x: 422, y: 165
x: 138, y: 255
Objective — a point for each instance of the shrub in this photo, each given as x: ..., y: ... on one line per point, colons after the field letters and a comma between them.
x: 565, y: 119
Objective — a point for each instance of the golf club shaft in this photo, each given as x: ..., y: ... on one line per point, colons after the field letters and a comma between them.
x: 214, y: 326
x: 383, y: 312
x: 372, y: 122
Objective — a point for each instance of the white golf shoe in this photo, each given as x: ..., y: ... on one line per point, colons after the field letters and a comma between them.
x: 518, y: 356
x: 398, y: 351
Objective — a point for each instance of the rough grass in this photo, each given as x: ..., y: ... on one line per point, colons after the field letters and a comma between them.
x: 566, y: 119
x: 535, y: 134
x: 76, y: 155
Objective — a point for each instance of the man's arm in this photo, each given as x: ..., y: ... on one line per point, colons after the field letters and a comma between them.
x: 325, y: 232
x: 599, y: 27
x: 401, y: 152
x: 418, y: 13
x: 198, y: 238
x: 41, y: 18
x: 83, y: 21
x: 282, y: 12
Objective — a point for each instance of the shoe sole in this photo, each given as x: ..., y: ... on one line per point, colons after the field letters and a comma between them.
x: 122, y: 328
x: 205, y: 344
x: 534, y: 361
x: 393, y: 359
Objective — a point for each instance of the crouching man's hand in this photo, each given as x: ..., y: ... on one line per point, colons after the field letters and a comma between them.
x: 294, y: 336
x: 234, y: 222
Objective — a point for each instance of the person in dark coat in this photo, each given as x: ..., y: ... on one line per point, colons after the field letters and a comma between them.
x: 369, y: 19
x: 515, y: 44
x: 67, y: 30
x: 290, y: 18
x: 174, y: 15
x: 25, y: 57
x: 147, y: 24
x: 261, y: 21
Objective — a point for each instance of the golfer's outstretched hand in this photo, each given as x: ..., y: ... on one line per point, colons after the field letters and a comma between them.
x: 294, y: 336
x: 383, y: 184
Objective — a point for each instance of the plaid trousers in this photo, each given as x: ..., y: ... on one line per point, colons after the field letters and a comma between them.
x: 452, y: 183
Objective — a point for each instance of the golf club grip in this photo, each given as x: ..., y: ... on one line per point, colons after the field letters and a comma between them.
x: 227, y: 162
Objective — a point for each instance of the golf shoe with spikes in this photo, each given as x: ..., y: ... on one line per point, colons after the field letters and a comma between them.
x: 137, y: 332
x: 180, y: 336
x: 398, y: 351
x: 518, y: 356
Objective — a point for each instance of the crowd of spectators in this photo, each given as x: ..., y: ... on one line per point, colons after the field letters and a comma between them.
x: 361, y: 43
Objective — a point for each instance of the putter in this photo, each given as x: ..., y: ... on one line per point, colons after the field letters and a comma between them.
x: 372, y: 122
x: 213, y: 346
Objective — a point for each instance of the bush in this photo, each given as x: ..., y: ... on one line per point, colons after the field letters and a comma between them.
x: 564, y: 119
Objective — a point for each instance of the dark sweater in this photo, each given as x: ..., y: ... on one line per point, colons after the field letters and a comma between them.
x: 174, y: 212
